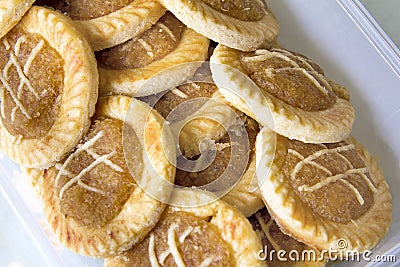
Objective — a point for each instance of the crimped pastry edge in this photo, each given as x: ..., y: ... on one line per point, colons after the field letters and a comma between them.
x: 298, y: 220
x: 326, y: 126
x: 79, y: 94
x: 141, y: 211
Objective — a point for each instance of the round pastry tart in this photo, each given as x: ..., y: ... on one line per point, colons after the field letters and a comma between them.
x: 329, y: 196
x: 305, y: 105
x: 109, y: 23
x: 44, y: 116
x: 280, y: 249
x: 92, y: 200
x: 241, y: 24
x: 231, y: 174
x: 153, y: 61
x: 11, y: 11
x: 210, y: 235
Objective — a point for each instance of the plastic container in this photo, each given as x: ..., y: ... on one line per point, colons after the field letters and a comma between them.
x: 344, y: 39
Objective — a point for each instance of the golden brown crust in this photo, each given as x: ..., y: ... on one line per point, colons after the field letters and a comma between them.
x: 245, y: 196
x: 330, y: 125
x: 78, y: 98
x: 239, y: 34
x: 274, y: 240
x: 121, y: 25
x: 140, y: 212
x: 234, y: 226
x: 299, y: 220
x: 159, y: 75
x: 213, y: 120
x: 11, y: 11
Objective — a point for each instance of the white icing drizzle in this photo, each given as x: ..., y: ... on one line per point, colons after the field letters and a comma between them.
x: 164, y: 255
x: 152, y: 253
x: 108, y: 162
x: 98, y: 159
x: 146, y: 46
x: 18, y: 43
x: 365, y: 177
x: 22, y: 73
x: 356, y: 192
x: 262, y: 54
x: 288, y: 55
x: 194, y: 85
x: 309, y: 74
x: 32, y: 56
x: 185, y: 234
x: 173, y: 246
x: 207, y: 261
x: 77, y: 178
x: 79, y: 149
x: 167, y: 30
x: 369, y: 183
x: 14, y: 97
x: 331, y: 179
x: 265, y: 228
x: 222, y: 146
x: 310, y: 162
x: 318, y: 154
x: 179, y: 93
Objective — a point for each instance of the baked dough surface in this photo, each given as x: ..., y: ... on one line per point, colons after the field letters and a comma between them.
x: 222, y: 28
x: 139, y: 213
x: 331, y: 124
x: 297, y: 218
x: 79, y: 95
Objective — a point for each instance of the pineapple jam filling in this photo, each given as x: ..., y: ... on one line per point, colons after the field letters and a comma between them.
x: 85, y: 9
x: 95, y: 182
x: 332, y: 179
x: 198, y: 243
x: 182, y: 93
x: 220, y: 163
x: 290, y: 77
x: 272, y: 237
x: 244, y: 10
x: 152, y: 45
x: 30, y: 97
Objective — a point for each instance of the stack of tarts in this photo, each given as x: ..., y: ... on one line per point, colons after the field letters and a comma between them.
x: 91, y: 97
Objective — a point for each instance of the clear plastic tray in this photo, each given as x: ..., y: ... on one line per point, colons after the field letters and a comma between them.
x: 343, y: 38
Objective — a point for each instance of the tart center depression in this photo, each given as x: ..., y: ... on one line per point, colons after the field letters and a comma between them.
x: 152, y: 45
x: 85, y: 9
x: 244, y: 10
x: 331, y: 178
x: 30, y: 97
x: 222, y: 161
x: 272, y: 236
x: 94, y: 183
x: 290, y: 77
x: 182, y: 237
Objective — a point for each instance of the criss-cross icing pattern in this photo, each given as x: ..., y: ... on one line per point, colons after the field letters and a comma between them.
x: 173, y: 250
x: 98, y: 159
x: 22, y: 71
x: 331, y: 178
x: 307, y: 70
